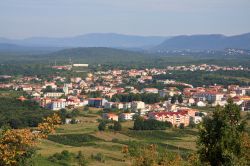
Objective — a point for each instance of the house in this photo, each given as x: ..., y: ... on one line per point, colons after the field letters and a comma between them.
x: 57, y: 104
x: 175, y: 118
x: 197, y: 119
x: 118, y: 105
x: 21, y: 98
x: 53, y: 94
x: 201, y: 104
x: 191, y: 101
x: 110, y: 116
x: 35, y: 94
x: 209, y: 96
x: 126, y: 116
x: 44, y: 102
x: 220, y: 103
x: 50, y: 84
x: 149, y: 90
x: 137, y: 105
x: 245, y: 106
x: 126, y: 105
x: 108, y: 105
x: 97, y: 102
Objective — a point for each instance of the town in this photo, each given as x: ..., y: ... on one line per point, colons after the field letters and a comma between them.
x: 117, y: 93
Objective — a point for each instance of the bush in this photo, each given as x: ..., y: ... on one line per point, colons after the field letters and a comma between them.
x: 182, y: 126
x: 99, y: 157
x: 150, y: 124
x: 64, y: 158
x: 117, y: 126
x: 73, y: 139
x: 102, y: 126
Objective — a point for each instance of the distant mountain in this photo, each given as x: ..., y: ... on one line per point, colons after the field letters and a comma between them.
x: 18, y: 49
x: 91, y: 40
x: 205, y: 42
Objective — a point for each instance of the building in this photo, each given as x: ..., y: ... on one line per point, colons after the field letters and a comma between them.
x: 58, y: 104
x: 97, y: 102
x: 209, y: 96
x: 80, y: 65
x: 126, y: 116
x: 108, y: 105
x: 201, y: 104
x: 53, y: 94
x: 110, y: 116
x: 137, y: 105
x: 149, y: 90
x: 175, y: 118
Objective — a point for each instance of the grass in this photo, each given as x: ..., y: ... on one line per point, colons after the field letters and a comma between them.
x: 74, y: 139
x: 86, y: 138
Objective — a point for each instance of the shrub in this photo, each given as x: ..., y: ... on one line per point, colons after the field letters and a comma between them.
x: 99, y: 157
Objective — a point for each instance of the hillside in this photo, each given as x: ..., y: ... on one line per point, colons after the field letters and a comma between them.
x: 96, y: 55
x: 205, y: 42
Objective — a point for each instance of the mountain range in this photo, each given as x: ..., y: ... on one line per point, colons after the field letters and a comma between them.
x: 131, y: 42
x: 205, y: 42
x: 90, y: 40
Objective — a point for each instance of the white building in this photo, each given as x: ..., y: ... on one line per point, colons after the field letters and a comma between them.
x: 137, y: 105
x: 58, y: 104
x: 201, y: 104
x: 149, y: 90
x: 127, y: 116
x: 53, y: 94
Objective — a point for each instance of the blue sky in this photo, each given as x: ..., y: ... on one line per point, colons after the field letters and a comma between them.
x: 60, y: 18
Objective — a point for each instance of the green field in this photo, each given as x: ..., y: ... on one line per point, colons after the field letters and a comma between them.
x: 85, y: 137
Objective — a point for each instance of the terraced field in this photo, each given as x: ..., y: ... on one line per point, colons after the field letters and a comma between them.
x: 85, y: 137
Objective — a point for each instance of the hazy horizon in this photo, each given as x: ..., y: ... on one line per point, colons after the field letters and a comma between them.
x: 63, y: 18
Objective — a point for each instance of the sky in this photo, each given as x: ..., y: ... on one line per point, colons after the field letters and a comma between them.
x: 61, y: 18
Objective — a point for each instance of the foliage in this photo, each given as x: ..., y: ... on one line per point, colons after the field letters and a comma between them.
x: 200, y: 78
x: 182, y: 126
x: 73, y: 139
x: 150, y: 124
x: 20, y: 114
x: 102, y: 126
x: 99, y: 157
x: 148, y: 98
x: 180, y: 99
x: 17, y: 145
x: 150, y: 156
x: 220, y: 137
x: 173, y: 99
x: 63, y: 158
x: 81, y: 160
x: 117, y: 126
x: 49, y: 124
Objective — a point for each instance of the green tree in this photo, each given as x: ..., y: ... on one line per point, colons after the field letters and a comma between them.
x: 102, y: 126
x: 180, y: 99
x: 220, y: 137
x: 173, y: 99
x: 117, y: 126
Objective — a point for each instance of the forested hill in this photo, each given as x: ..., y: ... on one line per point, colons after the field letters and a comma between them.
x: 96, y: 54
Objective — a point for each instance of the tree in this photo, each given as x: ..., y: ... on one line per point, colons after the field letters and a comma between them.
x: 102, y: 126
x: 63, y: 115
x: 220, y: 136
x: 17, y: 145
x: 173, y: 100
x: 117, y: 126
x: 182, y: 126
x: 180, y: 99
